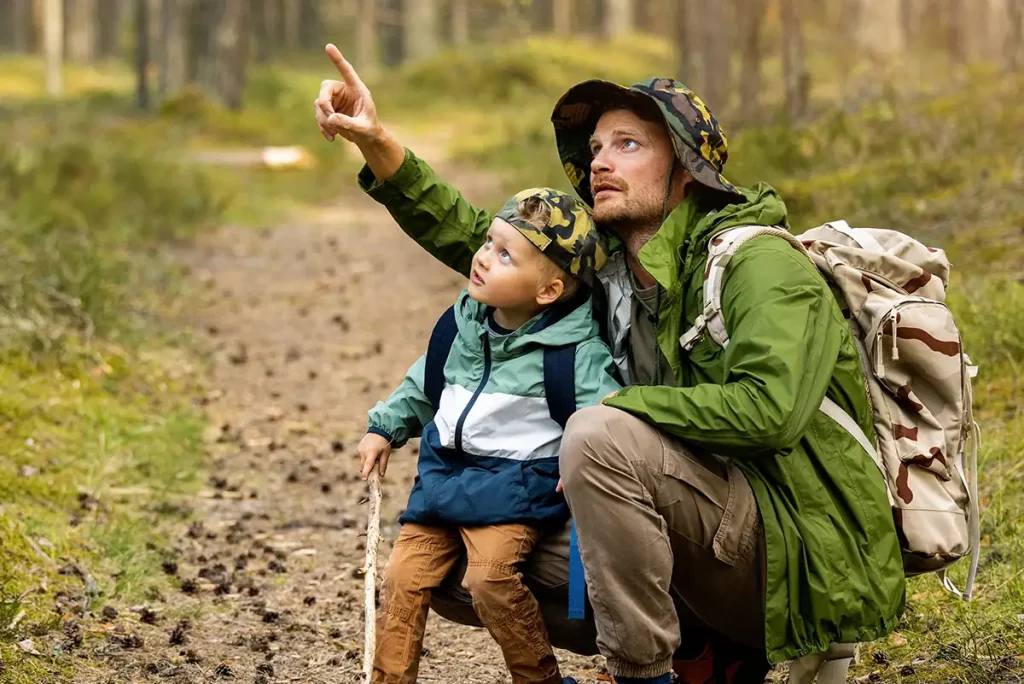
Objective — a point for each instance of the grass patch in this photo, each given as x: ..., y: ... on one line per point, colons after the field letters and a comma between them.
x: 98, y: 435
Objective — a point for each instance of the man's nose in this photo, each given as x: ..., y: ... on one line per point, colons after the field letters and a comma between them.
x: 600, y: 163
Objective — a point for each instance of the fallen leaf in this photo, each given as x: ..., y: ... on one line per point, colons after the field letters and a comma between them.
x: 27, y: 646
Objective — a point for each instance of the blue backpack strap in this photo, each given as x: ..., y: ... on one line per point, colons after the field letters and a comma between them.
x: 441, y: 340
x: 577, y: 581
x: 560, y: 389
x: 560, y: 382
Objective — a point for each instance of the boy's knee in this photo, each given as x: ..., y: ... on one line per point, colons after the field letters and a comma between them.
x: 489, y: 584
x: 588, y: 439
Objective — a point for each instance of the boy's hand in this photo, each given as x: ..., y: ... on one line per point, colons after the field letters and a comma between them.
x: 373, y: 449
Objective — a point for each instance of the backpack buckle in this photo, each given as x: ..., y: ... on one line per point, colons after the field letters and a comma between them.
x: 689, y: 339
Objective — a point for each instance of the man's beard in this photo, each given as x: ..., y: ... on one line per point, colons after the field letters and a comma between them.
x: 634, y: 221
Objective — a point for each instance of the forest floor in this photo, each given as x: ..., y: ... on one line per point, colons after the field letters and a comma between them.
x: 136, y: 547
x: 307, y: 325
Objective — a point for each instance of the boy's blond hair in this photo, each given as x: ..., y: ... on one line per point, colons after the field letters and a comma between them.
x: 537, y: 213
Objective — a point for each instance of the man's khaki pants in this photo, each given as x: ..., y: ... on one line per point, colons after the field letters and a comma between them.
x: 671, y: 541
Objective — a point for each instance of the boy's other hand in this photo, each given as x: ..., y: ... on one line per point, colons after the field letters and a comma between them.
x: 345, y: 107
x: 373, y: 449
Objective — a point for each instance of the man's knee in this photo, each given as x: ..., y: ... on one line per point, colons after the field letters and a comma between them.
x: 590, y: 432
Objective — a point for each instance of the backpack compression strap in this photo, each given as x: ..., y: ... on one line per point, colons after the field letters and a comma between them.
x: 441, y: 340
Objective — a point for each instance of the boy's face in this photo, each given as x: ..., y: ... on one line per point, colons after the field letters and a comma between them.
x: 509, y: 272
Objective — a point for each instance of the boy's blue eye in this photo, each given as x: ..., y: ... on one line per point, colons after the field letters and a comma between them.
x: 505, y: 256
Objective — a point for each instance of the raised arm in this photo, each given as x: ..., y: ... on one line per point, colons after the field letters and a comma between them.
x: 429, y: 210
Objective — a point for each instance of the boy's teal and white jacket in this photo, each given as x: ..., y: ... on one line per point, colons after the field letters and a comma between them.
x: 490, y: 453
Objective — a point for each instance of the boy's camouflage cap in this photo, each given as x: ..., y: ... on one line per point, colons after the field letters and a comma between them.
x: 570, y: 238
x: 699, y: 142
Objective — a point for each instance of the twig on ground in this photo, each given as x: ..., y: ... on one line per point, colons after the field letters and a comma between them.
x: 370, y: 578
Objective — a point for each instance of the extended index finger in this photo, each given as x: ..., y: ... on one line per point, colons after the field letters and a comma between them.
x: 348, y: 74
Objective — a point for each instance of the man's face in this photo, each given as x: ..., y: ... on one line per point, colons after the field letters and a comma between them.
x: 632, y: 160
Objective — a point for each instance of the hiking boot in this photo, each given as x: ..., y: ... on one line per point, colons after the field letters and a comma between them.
x: 722, y: 662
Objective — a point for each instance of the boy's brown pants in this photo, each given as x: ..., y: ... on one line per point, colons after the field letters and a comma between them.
x: 421, y: 558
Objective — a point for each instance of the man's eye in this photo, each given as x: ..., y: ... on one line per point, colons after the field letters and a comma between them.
x: 630, y: 145
x: 594, y: 149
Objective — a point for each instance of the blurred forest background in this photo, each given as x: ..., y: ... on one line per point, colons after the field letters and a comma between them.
x: 130, y: 129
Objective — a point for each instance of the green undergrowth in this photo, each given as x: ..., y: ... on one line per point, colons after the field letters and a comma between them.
x: 98, y: 435
x: 189, y: 125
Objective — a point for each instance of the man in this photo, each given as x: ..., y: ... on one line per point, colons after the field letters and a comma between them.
x: 725, y: 523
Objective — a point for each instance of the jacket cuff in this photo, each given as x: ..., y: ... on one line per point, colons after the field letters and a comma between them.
x: 406, y: 175
x: 382, y: 432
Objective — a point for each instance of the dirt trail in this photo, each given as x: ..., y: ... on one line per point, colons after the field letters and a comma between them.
x: 309, y: 323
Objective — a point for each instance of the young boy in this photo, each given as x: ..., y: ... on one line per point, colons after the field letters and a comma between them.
x: 488, y: 464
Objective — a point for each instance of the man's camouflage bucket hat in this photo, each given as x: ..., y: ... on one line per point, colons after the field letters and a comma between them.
x: 570, y: 238
x: 698, y: 140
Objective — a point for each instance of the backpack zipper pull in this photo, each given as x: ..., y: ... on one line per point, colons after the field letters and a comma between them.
x: 895, y: 347
x: 880, y: 352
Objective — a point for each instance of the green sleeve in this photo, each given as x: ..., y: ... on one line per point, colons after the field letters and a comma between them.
x: 406, y: 411
x: 785, y: 337
x: 430, y: 211
x: 595, y: 373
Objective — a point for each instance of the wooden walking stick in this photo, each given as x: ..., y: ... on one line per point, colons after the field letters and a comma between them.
x: 370, y: 576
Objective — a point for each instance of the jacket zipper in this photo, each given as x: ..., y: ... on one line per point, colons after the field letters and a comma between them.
x: 476, y: 395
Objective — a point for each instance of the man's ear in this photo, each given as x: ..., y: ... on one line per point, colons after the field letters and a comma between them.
x: 550, y: 292
x: 681, y: 180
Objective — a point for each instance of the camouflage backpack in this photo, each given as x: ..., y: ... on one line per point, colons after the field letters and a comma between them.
x: 891, y: 289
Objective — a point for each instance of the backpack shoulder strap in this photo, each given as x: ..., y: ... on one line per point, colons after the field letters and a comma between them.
x: 441, y: 340
x: 560, y: 381
x: 721, y: 249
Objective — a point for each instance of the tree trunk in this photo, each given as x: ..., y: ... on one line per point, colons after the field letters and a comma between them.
x: 419, y: 21
x: 23, y: 26
x: 954, y: 28
x: 688, y: 53
x: 142, y: 53
x: 908, y: 22
x: 80, y: 29
x: 794, y: 73
x: 460, y: 22
x: 53, y: 23
x: 291, y: 19
x: 561, y: 18
x: 309, y: 24
x: 107, y: 40
x: 1012, y: 57
x: 717, y: 56
x: 232, y: 52
x: 260, y: 32
x: 174, y: 46
x: 617, y: 18
x: 879, y: 33
x: 367, y: 46
x: 203, y: 20
x: 751, y: 20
